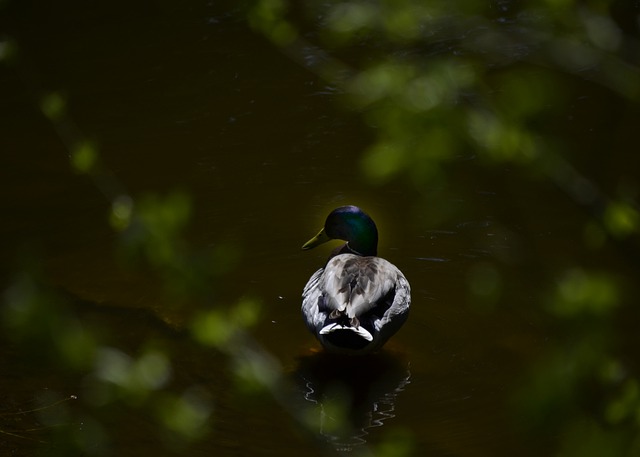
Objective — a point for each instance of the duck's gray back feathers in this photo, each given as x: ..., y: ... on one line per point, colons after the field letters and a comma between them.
x: 367, y: 297
x: 353, y: 285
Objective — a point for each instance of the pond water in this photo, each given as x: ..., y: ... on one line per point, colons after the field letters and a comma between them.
x: 187, y: 97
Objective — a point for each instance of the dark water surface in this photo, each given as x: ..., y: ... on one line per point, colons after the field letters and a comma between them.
x: 188, y: 97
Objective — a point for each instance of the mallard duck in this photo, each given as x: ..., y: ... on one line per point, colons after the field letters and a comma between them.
x: 358, y: 300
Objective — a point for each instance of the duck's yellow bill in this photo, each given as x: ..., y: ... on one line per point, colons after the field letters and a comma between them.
x: 317, y: 240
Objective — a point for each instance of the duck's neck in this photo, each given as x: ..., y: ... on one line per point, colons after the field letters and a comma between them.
x: 365, y: 243
x: 348, y: 249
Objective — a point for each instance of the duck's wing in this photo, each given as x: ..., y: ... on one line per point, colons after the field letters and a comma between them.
x: 353, y: 285
x: 395, y: 313
x: 312, y: 295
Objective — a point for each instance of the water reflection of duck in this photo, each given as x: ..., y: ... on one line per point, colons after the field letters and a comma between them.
x: 358, y: 300
x: 351, y: 395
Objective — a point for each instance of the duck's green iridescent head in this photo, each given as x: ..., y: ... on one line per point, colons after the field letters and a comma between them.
x: 351, y: 224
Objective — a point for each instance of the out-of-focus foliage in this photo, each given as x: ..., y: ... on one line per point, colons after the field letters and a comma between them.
x: 439, y: 82
x: 621, y: 219
x: 442, y: 80
x: 53, y: 106
x: 84, y: 157
x: 46, y: 326
x: 581, y: 293
x: 34, y: 315
x: 582, y: 388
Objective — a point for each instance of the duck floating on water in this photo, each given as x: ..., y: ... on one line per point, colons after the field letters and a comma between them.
x: 358, y: 300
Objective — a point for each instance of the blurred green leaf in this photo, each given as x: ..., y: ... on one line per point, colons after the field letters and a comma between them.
x: 255, y: 370
x: 35, y: 316
x: 586, y: 438
x: 53, y: 105
x: 349, y: 18
x: 213, y: 328
x: 602, y: 30
x: 579, y: 293
x: 186, y: 415
x: 268, y: 17
x: 8, y: 49
x: 122, y: 211
x: 626, y: 405
x: 84, y: 157
x: 621, y: 219
x: 396, y: 442
x: 153, y: 228
x: 501, y: 139
x: 218, y: 327
x: 383, y: 161
x: 134, y: 379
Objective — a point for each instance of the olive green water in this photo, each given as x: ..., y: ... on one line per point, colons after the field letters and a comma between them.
x: 189, y: 98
